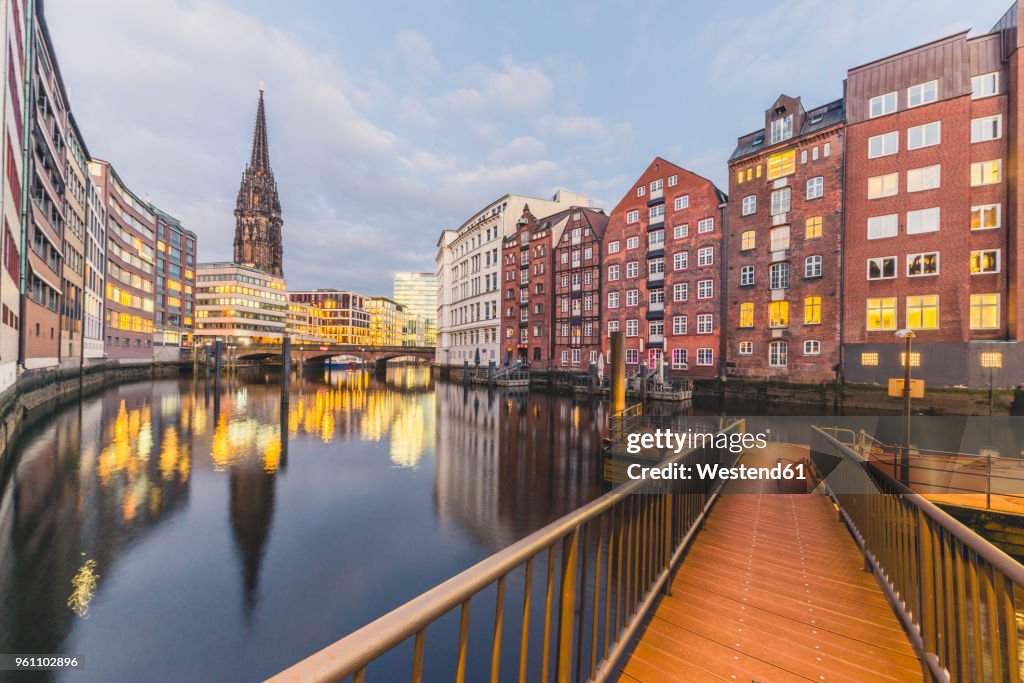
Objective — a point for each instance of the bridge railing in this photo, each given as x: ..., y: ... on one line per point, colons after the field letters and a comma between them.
x: 956, y: 593
x: 588, y: 580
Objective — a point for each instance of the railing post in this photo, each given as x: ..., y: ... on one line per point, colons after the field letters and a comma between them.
x: 618, y: 373
x: 668, y: 536
x: 926, y: 583
x: 567, y: 607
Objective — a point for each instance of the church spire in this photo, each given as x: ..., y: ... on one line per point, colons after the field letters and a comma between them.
x: 260, y: 161
x: 258, y: 209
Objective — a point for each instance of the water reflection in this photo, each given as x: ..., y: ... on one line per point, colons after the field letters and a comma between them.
x: 221, y: 532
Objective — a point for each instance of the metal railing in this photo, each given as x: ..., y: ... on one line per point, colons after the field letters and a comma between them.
x: 588, y: 580
x: 955, y: 592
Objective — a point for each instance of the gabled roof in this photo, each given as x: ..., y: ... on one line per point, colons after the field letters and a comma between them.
x: 817, y: 119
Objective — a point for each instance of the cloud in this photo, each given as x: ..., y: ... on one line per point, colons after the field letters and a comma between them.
x: 513, y: 87
x: 417, y: 52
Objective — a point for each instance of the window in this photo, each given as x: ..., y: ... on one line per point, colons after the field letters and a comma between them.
x: 883, y: 268
x: 682, y: 202
x: 678, y: 359
x: 680, y: 260
x: 883, y: 185
x: 915, y: 359
x: 779, y: 238
x: 826, y: 149
x: 641, y: 191
x: 812, y: 266
x: 986, y: 172
x: 779, y: 276
x: 984, y: 85
x: 613, y: 273
x: 632, y: 269
x: 923, y: 93
x: 679, y: 324
x: 749, y: 204
x: 632, y: 327
x: 985, y: 217
x: 632, y: 356
x: 984, y: 311
x: 883, y: 145
x: 815, y: 187
x: 656, y: 214
x: 613, y: 299
x: 869, y: 358
x: 655, y: 266
x: 782, y: 129
x: 705, y: 289
x: 812, y: 227
x: 781, y: 164
x: 747, y: 240
x: 923, y: 220
x: 780, y: 201
x: 613, y: 326
x: 883, y: 226
x: 747, y: 314
x: 882, y: 105
x: 657, y: 185
x: 655, y: 240
x: 812, y: 310
x: 655, y: 328
x: 812, y: 347
x: 613, y: 247
x: 632, y: 216
x: 632, y: 297
x: 705, y: 256
x: 705, y: 225
x: 987, y: 128
x: 923, y: 312
x: 705, y: 356
x: 680, y: 231
x: 882, y: 313
x: 673, y: 180
x: 778, y: 314
x: 565, y: 357
x: 777, y: 354
x: 680, y: 291
x: 984, y: 261
x: 924, y: 135
x: 746, y: 276
x: 921, y: 179
x: 632, y: 242
x: 919, y: 265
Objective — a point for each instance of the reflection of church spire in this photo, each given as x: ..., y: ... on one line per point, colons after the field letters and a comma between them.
x: 252, y: 511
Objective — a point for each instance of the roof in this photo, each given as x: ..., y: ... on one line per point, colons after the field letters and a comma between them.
x: 820, y: 118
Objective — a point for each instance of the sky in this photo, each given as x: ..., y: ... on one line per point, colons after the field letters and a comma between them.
x: 389, y: 122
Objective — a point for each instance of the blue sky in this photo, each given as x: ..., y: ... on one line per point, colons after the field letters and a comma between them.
x: 391, y: 121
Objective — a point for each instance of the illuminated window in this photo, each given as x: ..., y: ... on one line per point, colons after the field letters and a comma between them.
x: 991, y: 359
x: 883, y: 185
x: 984, y: 311
x: 915, y: 359
x: 985, y: 261
x: 739, y: 176
x: 882, y: 313
x: 746, y: 315
x: 812, y: 310
x: 778, y: 314
x: 985, y: 217
x: 782, y: 164
x: 812, y: 227
x: 986, y: 172
x: 869, y: 358
x: 923, y: 312
x: 747, y: 240
x: 923, y: 264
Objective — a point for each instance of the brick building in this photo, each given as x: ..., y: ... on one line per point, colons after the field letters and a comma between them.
x: 932, y: 211
x: 662, y: 275
x: 784, y: 245
x: 576, y: 303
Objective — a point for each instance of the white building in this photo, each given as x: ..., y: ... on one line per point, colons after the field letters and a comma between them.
x: 468, y: 267
x: 95, y: 257
x: 239, y: 304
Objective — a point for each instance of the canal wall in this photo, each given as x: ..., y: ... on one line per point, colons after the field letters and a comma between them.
x: 40, y: 391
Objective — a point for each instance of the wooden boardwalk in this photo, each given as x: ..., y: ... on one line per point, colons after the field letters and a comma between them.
x: 774, y: 589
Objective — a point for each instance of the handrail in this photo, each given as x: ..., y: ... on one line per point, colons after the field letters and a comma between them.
x: 955, y: 592
x: 646, y: 534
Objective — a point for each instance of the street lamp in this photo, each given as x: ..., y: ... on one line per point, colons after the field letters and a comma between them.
x: 907, y: 336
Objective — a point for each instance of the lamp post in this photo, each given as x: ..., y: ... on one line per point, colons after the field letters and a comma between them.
x: 907, y: 336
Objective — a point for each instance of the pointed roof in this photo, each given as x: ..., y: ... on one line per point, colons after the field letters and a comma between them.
x: 260, y: 160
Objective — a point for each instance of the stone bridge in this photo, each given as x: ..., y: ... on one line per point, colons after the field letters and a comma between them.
x: 319, y: 353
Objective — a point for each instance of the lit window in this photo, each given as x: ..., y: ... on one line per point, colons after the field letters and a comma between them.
x: 815, y: 187
x: 746, y: 348
x: 991, y: 359
x: 812, y: 347
x: 986, y: 172
x: 749, y: 204
x: 923, y: 312
x: 883, y: 226
x: 927, y: 178
x: 779, y: 238
x: 812, y: 310
x: 882, y: 268
x: 923, y: 264
x: 923, y: 93
x: 881, y: 105
x: 883, y: 145
x: 985, y: 261
x: 986, y: 128
x: 924, y: 135
x: 781, y: 164
x: 883, y: 185
x: 812, y: 266
x: 923, y: 220
x: 869, y: 358
x: 778, y: 352
x: 746, y: 276
x: 984, y: 311
x: 778, y: 314
x: 985, y: 217
x: 882, y: 313
x: 984, y: 85
x: 747, y: 315
x: 813, y: 227
x: 747, y: 240
x: 915, y: 359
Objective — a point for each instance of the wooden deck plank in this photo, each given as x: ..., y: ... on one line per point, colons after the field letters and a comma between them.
x: 773, y: 589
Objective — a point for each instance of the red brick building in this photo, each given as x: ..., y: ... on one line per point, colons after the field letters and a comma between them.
x: 661, y: 268
x: 784, y: 245
x: 577, y: 288
x: 933, y: 238
x: 526, y: 291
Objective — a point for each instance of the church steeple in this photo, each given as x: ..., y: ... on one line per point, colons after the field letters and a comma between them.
x: 258, y: 210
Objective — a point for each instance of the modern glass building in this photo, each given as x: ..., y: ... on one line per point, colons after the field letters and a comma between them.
x: 418, y: 293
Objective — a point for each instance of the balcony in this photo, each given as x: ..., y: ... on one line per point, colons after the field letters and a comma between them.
x: 656, y: 197
x: 655, y: 251
x: 656, y: 224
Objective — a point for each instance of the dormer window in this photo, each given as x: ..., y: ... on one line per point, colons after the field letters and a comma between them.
x: 817, y: 118
x: 782, y: 128
x: 758, y: 141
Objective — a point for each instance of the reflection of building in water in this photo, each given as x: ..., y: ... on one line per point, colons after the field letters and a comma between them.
x: 509, y: 463
x: 252, y: 488
x: 412, y: 429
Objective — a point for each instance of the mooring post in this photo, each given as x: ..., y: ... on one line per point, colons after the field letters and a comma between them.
x: 286, y: 368
x: 217, y: 350
x: 301, y: 361
x: 195, y: 359
x: 206, y: 359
